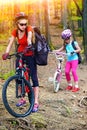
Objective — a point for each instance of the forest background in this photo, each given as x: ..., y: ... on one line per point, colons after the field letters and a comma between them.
x: 43, y: 13
x: 57, y: 111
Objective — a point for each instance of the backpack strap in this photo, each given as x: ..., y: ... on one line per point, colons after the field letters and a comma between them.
x: 38, y: 36
x: 65, y: 47
x: 73, y: 45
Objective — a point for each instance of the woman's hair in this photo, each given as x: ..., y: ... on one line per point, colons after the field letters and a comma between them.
x: 37, y: 30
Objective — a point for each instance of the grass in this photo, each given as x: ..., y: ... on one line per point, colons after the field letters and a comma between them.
x: 6, y: 75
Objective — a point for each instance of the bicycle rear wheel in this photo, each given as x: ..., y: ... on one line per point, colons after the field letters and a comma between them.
x: 10, y: 99
x: 56, y: 81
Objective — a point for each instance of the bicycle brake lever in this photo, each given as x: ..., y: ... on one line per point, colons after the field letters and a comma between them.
x: 9, y: 57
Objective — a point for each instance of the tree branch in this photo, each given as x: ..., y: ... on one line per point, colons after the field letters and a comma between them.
x: 80, y: 12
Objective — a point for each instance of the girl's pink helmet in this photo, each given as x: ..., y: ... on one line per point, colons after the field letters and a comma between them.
x: 66, y: 34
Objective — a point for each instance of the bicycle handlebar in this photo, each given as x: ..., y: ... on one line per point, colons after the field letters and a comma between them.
x: 58, y: 53
x: 19, y: 53
x: 61, y: 53
x: 15, y: 54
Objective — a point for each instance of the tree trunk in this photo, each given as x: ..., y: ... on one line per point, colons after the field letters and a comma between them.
x: 64, y: 13
x: 85, y: 28
x: 47, y: 21
x: 55, y: 9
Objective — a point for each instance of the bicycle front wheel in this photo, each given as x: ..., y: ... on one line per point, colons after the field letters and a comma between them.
x: 56, y: 81
x: 10, y: 99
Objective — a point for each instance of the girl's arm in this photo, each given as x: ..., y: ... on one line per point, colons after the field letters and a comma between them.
x: 11, y: 40
x: 60, y: 49
x: 78, y: 49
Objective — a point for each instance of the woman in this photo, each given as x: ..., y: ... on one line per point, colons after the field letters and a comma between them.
x: 72, y: 59
x: 25, y: 41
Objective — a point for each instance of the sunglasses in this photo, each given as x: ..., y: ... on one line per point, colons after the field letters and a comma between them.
x: 67, y: 38
x: 23, y: 24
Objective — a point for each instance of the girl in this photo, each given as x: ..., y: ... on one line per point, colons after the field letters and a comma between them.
x: 72, y: 59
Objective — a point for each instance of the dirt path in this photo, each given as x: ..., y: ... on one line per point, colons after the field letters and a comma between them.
x: 63, y: 108
x: 58, y: 111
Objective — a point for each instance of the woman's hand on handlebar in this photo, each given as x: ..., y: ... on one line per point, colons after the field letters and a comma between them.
x: 5, y: 56
x: 29, y: 47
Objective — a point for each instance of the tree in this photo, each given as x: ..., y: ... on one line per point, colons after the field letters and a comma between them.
x: 55, y: 8
x: 85, y: 28
x: 46, y: 17
x: 79, y: 11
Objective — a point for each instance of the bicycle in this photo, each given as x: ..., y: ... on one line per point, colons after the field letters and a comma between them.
x: 16, y: 87
x: 58, y: 72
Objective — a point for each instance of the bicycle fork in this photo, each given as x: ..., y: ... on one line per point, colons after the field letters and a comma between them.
x: 59, y: 75
x: 20, y: 89
x: 20, y: 84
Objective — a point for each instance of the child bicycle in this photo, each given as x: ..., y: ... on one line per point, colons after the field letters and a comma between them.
x: 58, y: 73
x: 17, y: 87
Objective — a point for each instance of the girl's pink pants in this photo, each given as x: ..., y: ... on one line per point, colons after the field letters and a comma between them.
x: 71, y: 66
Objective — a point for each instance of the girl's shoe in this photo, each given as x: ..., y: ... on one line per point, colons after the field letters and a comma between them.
x: 69, y: 87
x: 21, y: 103
x: 75, y: 89
x: 35, y: 108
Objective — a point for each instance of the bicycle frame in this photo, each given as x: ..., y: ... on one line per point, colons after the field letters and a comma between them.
x: 59, y: 65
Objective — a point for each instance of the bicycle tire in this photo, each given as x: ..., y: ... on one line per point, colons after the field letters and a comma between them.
x: 56, y: 81
x: 9, y: 99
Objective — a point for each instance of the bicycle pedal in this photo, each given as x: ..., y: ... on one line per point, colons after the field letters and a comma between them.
x: 19, y: 96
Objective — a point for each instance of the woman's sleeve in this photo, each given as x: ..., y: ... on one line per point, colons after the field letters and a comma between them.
x: 14, y: 33
x: 30, y: 29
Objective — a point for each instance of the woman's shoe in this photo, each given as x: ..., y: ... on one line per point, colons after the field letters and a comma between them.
x: 21, y: 103
x: 35, y: 108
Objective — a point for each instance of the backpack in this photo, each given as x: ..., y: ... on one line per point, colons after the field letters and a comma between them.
x: 41, y: 48
x: 78, y: 54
